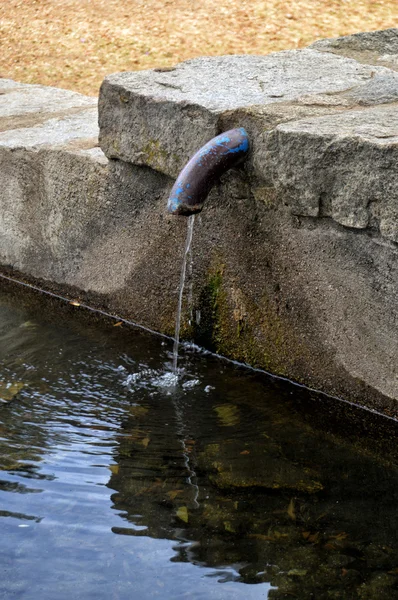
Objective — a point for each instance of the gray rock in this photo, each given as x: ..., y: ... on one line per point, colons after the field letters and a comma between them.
x: 381, y: 89
x: 307, y: 300
x: 159, y: 118
x: 64, y: 126
x: 23, y: 105
x: 81, y: 127
x: 22, y: 99
x: 8, y: 84
x: 343, y: 166
x: 383, y: 42
x: 370, y: 47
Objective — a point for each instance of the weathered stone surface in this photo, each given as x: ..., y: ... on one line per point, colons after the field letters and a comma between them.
x: 160, y: 117
x: 370, y: 47
x: 80, y: 128
x: 343, y: 166
x: 23, y: 105
x: 310, y: 301
x: 381, y: 89
x: 8, y: 84
x: 19, y: 98
x: 71, y: 217
x: 303, y: 285
x: 299, y: 295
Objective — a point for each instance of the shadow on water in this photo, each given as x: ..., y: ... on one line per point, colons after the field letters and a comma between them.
x: 230, y: 484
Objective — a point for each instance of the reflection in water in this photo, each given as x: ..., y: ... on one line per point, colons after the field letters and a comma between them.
x: 116, y: 484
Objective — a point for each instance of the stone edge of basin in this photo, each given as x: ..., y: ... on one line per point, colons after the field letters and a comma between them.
x: 300, y: 257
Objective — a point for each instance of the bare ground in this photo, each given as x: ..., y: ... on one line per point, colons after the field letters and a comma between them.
x: 75, y: 43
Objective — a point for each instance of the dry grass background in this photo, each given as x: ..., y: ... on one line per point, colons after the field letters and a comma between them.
x: 75, y: 43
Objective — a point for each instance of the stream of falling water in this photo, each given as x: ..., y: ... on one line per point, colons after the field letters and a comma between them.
x: 191, y: 221
x: 191, y: 478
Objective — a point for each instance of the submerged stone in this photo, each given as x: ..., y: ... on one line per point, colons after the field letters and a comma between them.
x: 255, y: 466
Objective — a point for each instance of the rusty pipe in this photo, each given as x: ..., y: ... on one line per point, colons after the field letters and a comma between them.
x: 204, y: 169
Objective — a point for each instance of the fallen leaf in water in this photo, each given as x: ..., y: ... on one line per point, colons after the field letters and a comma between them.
x: 189, y: 445
x: 245, y: 452
x: 28, y: 325
x: 138, y: 434
x: 114, y: 469
x: 138, y: 411
x: 313, y: 538
x: 229, y: 527
x: 158, y: 483
x: 321, y: 516
x: 273, y: 536
x: 174, y: 493
x: 344, y: 572
x: 182, y: 513
x: 74, y: 303
x: 228, y: 414
x: 335, y: 541
x: 290, y: 510
x: 260, y: 536
x: 339, y: 537
x: 8, y: 390
x: 297, y: 572
x: 278, y: 536
x: 118, y: 324
x: 145, y: 442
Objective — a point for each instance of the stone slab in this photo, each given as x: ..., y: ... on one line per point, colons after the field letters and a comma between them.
x: 343, y: 166
x: 159, y: 118
x: 369, y: 47
x: 20, y: 99
x: 24, y: 105
x: 8, y: 84
x: 80, y: 127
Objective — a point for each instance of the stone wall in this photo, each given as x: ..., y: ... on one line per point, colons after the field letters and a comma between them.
x: 295, y: 253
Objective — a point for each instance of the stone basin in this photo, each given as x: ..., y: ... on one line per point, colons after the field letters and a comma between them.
x: 295, y: 254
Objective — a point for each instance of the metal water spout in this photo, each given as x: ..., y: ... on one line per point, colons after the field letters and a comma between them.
x: 204, y: 169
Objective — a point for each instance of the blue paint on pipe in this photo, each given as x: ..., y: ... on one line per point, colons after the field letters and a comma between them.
x: 205, y: 168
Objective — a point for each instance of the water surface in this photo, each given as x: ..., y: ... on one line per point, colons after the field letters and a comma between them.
x: 115, y: 484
